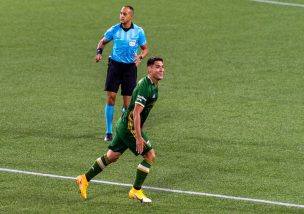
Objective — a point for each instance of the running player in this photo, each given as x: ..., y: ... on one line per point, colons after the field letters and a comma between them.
x: 129, y: 134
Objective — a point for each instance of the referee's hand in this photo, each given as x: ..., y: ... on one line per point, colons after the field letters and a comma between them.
x: 98, y: 57
x: 137, y: 59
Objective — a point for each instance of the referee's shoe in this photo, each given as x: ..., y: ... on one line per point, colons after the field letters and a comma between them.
x: 108, y: 138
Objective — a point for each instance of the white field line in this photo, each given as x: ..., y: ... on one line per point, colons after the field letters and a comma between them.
x: 159, y: 189
x: 280, y: 3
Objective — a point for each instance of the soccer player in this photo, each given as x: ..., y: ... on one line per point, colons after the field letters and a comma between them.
x: 122, y: 67
x: 129, y: 134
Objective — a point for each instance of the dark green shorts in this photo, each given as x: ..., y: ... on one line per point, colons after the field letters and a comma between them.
x: 124, y: 139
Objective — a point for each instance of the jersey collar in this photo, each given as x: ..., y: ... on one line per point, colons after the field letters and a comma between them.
x: 126, y: 29
x: 151, y: 80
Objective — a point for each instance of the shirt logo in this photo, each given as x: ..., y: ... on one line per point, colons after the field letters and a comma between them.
x: 153, y: 96
x: 132, y: 43
x: 141, y: 98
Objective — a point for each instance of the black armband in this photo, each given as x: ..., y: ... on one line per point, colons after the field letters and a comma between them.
x: 99, y: 51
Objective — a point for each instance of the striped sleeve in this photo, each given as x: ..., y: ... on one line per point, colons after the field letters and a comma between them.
x: 141, y: 100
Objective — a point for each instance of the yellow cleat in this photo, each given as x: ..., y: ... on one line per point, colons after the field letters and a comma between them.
x: 139, y: 195
x: 83, y: 184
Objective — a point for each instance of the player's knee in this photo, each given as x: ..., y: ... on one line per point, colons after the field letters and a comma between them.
x: 153, y: 157
x: 113, y: 156
x: 150, y: 156
x: 114, y: 160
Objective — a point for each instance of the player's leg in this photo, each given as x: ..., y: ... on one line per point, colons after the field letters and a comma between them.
x: 116, y: 149
x: 98, y: 166
x: 142, y: 171
x: 101, y: 163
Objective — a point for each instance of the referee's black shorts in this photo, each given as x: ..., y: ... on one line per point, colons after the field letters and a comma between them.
x: 121, y: 74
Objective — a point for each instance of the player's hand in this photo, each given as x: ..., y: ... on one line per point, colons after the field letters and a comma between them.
x: 98, y: 57
x: 140, y: 142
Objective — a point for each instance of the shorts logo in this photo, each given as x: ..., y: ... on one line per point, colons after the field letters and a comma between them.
x: 132, y: 43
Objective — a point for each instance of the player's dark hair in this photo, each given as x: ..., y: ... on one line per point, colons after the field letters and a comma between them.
x: 153, y: 59
x: 130, y: 7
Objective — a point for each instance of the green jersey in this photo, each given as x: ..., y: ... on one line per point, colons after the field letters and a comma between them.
x: 145, y: 94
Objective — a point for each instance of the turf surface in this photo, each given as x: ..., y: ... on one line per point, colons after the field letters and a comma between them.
x: 229, y: 119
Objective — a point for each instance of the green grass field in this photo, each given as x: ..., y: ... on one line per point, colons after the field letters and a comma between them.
x: 229, y: 119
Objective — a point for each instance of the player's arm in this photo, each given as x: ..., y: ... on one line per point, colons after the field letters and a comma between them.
x: 144, y: 52
x: 100, y: 48
x: 140, y: 142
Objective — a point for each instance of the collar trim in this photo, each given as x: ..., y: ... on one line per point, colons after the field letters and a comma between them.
x: 151, y: 80
x: 126, y: 29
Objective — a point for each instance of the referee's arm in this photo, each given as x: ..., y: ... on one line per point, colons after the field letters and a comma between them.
x: 100, y: 48
x: 144, y: 52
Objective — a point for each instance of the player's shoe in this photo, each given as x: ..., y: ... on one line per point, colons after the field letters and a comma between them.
x: 108, y: 138
x: 139, y: 195
x: 82, y: 184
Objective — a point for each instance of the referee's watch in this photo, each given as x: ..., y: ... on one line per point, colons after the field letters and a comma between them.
x: 140, y: 57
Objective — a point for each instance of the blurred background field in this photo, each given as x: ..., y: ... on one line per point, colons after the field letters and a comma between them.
x: 229, y: 119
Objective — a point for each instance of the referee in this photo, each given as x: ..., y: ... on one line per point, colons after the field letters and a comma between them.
x: 122, y: 68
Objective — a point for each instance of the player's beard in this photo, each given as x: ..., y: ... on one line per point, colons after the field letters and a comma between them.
x: 159, y: 78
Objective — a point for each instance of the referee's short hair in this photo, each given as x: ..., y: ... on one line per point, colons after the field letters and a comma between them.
x: 130, y: 7
x: 153, y: 59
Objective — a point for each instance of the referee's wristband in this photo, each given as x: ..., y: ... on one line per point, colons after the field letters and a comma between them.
x: 99, y: 51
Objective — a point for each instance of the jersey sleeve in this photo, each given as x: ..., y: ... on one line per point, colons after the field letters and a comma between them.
x: 109, y: 34
x: 142, y: 96
x: 142, y: 38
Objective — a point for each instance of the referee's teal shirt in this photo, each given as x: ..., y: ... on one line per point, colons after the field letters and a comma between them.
x: 126, y: 42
